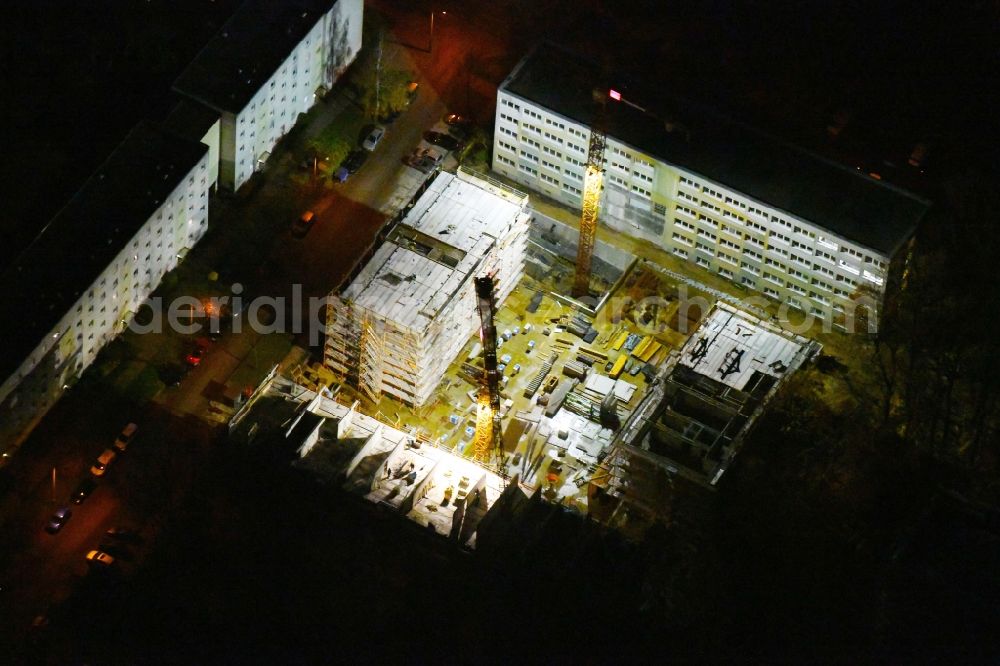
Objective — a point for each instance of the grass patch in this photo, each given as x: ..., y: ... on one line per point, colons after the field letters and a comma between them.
x: 476, y: 156
x: 337, y: 139
x: 393, y: 95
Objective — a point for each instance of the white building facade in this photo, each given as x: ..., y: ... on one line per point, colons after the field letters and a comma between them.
x: 166, y: 180
x: 701, y: 220
x: 268, y: 65
x: 399, y: 324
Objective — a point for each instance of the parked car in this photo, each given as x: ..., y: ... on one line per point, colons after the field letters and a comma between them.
x: 374, y: 137
x: 100, y: 466
x: 194, y: 358
x: 456, y: 120
x: 126, y: 435
x: 446, y: 141
x: 83, y: 490
x: 354, y: 161
x: 100, y: 557
x: 302, y: 225
x: 58, y: 519
x: 425, y: 160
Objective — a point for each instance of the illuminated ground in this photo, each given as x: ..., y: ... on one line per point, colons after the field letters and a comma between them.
x: 537, y: 452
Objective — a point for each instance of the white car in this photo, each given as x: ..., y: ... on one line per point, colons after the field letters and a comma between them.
x: 373, y: 138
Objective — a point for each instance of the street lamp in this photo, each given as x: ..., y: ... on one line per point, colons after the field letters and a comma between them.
x: 430, y: 46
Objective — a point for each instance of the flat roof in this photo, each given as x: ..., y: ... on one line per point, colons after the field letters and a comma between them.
x: 190, y: 119
x: 247, y: 50
x: 730, y: 346
x: 440, y: 242
x: 77, y: 245
x: 844, y: 201
x: 458, y: 212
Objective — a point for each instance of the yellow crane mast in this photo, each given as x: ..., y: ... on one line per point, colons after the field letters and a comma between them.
x: 488, y: 447
x: 593, y: 183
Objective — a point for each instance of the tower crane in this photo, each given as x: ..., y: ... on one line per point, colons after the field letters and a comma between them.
x: 593, y: 184
x: 488, y: 444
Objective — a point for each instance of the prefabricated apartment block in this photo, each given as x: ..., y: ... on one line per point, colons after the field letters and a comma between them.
x: 398, y: 325
x: 716, y: 193
x: 268, y: 64
x: 83, y: 278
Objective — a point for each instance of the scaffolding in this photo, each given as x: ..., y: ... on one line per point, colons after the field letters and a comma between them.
x: 395, y: 328
x: 372, y: 345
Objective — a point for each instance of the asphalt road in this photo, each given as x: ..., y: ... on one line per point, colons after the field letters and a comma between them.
x: 40, y: 571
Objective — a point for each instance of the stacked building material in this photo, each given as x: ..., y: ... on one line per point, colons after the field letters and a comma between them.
x: 620, y: 340
x: 581, y: 327
x: 575, y: 369
x: 587, y: 399
x: 646, y: 349
x: 596, y: 355
x: 536, y: 381
x: 536, y: 301
x: 618, y: 366
x: 558, y: 397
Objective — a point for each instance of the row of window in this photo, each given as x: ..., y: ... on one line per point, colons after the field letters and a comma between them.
x: 534, y: 173
x: 775, y: 219
x: 616, y: 152
x: 751, y: 254
x: 748, y: 239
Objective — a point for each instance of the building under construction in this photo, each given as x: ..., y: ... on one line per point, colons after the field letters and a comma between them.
x: 399, y: 324
x: 675, y: 440
x: 696, y: 420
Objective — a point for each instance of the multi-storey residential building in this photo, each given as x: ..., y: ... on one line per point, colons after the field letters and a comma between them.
x: 80, y: 282
x: 267, y: 65
x: 715, y: 193
x: 407, y: 314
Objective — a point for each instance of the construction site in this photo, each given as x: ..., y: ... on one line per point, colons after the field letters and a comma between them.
x: 463, y: 383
